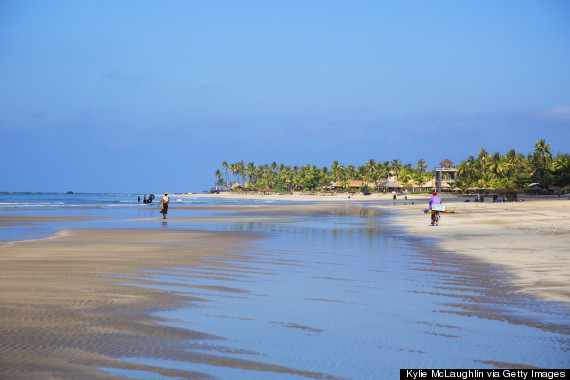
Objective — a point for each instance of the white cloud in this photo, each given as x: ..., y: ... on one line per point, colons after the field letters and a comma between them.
x: 558, y: 113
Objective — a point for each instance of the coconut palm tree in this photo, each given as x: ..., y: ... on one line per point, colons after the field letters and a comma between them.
x: 225, y: 167
x: 250, y: 172
x: 233, y: 170
x: 496, y: 166
x: 541, y: 162
x: 422, y: 165
x: 562, y: 169
x: 350, y: 172
x: 562, y: 163
x: 482, y: 161
x: 396, y: 166
x: 219, y: 178
x: 240, y: 169
x: 337, y: 170
x: 372, y: 170
x: 420, y: 178
x: 404, y: 177
x: 542, y: 149
x: 384, y: 170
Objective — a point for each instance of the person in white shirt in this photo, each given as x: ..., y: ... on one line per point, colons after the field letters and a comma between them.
x: 163, y: 205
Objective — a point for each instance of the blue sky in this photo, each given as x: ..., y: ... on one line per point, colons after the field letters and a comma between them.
x: 145, y: 96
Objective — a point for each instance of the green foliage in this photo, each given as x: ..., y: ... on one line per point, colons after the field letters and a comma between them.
x: 481, y: 170
x: 515, y: 170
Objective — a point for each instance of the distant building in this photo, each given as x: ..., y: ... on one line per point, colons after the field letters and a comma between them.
x: 447, y: 169
x: 353, y: 183
x: 238, y: 186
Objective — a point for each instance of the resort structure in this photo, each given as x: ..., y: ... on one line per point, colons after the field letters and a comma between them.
x: 446, y: 174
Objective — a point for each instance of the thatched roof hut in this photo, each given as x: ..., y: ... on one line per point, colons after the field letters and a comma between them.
x: 388, y: 185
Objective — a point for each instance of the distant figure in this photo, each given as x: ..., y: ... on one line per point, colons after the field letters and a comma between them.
x: 144, y: 200
x: 164, y: 201
x: 139, y: 199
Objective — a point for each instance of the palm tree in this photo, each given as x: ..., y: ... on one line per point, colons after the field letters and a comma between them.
x: 384, y: 170
x: 219, y: 178
x: 372, y: 170
x: 396, y: 166
x: 233, y: 170
x: 337, y: 170
x: 225, y: 166
x: 240, y: 169
x: 250, y: 172
x: 274, y: 167
x: 542, y: 149
x: 350, y: 172
x: 562, y: 163
x: 496, y: 165
x: 482, y: 160
x: 420, y: 178
x: 562, y: 169
x: 422, y: 165
x: 404, y: 177
x: 541, y: 161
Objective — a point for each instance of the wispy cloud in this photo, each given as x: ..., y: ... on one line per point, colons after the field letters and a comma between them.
x: 558, y: 113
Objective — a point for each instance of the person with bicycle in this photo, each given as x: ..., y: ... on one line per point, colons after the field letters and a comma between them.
x: 434, y: 200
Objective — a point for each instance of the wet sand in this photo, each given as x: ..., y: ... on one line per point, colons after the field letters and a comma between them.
x: 531, y: 239
x: 65, y: 310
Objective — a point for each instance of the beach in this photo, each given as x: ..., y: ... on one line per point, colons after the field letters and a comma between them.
x: 531, y: 239
x: 87, y: 302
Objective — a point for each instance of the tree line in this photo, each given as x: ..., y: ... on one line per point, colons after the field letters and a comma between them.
x: 511, y: 170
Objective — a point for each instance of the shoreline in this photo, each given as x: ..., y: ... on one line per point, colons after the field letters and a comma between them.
x: 347, y: 197
x: 529, y: 239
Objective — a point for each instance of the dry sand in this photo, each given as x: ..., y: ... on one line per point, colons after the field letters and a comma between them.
x: 530, y: 238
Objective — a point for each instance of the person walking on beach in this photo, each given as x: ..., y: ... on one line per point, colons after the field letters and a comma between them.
x: 164, y: 201
x: 434, y: 200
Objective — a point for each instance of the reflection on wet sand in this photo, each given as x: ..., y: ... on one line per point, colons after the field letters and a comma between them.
x: 325, y: 293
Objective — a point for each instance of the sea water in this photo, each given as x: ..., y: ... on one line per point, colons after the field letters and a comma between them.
x: 108, y: 210
x: 352, y: 297
x: 346, y: 295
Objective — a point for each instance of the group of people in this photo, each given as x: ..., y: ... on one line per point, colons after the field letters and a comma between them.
x: 162, y: 205
x: 145, y: 200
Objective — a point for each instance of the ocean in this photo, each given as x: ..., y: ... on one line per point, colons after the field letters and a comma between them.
x: 341, y: 296
x: 111, y: 208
